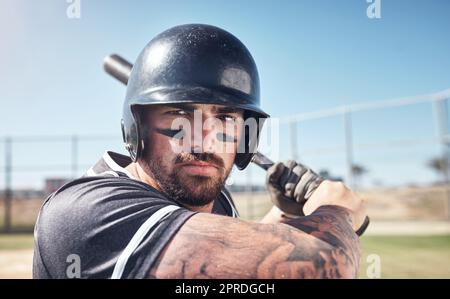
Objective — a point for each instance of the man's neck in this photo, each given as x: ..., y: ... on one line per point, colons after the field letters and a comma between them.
x: 138, y: 173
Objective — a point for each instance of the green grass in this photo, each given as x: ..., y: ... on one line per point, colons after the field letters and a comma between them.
x: 16, y: 241
x: 400, y: 256
x: 408, y: 256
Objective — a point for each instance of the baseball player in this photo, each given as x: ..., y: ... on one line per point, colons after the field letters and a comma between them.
x: 163, y: 211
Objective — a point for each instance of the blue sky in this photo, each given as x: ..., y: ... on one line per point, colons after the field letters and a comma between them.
x: 311, y: 55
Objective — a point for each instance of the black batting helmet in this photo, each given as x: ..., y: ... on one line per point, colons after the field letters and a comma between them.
x: 193, y: 63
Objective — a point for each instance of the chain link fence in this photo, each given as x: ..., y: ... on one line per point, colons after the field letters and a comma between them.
x: 395, y: 153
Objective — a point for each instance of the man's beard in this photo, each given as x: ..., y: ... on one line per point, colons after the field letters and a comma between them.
x: 189, y: 190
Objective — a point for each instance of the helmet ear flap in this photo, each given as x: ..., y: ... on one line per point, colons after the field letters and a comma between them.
x: 250, y: 140
x: 131, y: 134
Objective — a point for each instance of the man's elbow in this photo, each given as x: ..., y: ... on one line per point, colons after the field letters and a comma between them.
x: 338, y: 263
x: 349, y: 272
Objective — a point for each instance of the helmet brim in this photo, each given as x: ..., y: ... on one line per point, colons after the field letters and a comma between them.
x: 198, y: 95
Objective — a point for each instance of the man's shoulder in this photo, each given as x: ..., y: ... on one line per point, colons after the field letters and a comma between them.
x: 95, y: 218
x: 88, y: 199
x: 92, y: 186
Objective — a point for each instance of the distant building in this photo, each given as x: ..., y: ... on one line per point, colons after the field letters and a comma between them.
x: 23, y: 194
x: 246, y: 188
x: 53, y: 184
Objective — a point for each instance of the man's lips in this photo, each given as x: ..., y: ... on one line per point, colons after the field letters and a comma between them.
x: 199, y: 163
x: 199, y: 167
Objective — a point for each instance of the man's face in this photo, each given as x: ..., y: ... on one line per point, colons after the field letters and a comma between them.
x: 190, y: 149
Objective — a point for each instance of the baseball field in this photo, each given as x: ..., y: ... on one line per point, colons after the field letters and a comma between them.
x: 400, y: 256
x: 409, y: 236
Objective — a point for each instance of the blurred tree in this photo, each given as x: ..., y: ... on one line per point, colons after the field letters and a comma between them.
x: 440, y: 165
x: 324, y: 173
x: 328, y: 176
x: 358, y: 171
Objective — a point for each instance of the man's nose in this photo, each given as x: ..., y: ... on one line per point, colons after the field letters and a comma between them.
x: 205, y: 138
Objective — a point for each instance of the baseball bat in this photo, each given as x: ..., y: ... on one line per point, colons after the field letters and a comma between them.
x: 119, y: 68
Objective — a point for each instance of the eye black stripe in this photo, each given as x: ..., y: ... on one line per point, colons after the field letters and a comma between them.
x: 225, y: 137
x: 178, y: 134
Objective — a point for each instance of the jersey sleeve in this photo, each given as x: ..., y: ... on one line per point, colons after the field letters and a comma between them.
x: 113, y: 227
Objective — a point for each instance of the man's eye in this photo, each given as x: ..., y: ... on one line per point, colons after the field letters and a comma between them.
x: 177, y: 112
x: 227, y: 117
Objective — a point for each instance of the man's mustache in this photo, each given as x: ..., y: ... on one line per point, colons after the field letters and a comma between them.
x: 204, y: 157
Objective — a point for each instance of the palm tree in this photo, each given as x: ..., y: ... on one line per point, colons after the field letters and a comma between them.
x: 328, y: 176
x: 324, y: 173
x: 440, y: 165
x: 358, y: 172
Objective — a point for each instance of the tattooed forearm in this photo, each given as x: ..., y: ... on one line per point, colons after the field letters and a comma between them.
x: 322, y: 245
x: 333, y: 225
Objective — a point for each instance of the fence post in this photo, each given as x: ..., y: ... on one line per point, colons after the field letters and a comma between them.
x: 74, y: 156
x: 8, y: 180
x: 294, y: 140
x: 441, y: 114
x: 348, y: 146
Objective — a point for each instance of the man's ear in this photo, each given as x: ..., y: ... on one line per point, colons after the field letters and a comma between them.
x: 143, y: 144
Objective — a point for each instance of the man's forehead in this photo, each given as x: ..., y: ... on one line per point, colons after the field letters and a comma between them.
x: 214, y: 108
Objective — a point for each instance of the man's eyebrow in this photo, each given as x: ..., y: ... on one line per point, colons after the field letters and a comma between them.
x: 225, y: 109
x: 192, y: 107
x: 187, y: 107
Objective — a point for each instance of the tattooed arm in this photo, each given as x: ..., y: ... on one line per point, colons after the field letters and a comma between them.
x: 321, y: 245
